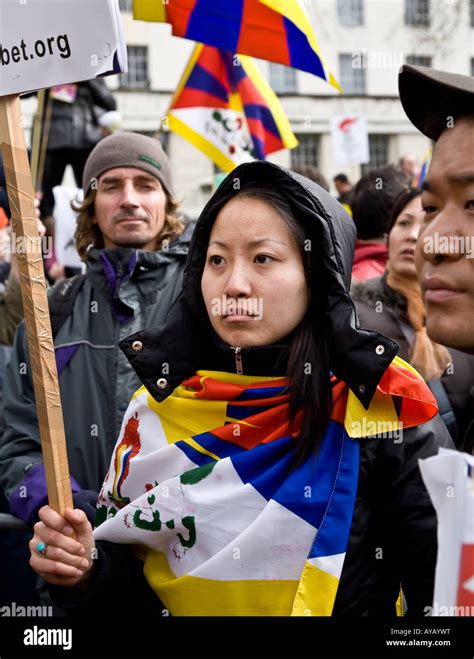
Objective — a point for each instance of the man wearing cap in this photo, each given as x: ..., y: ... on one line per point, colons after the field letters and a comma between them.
x: 441, y: 106
x: 134, y: 245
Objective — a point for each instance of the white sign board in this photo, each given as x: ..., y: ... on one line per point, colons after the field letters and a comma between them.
x: 350, y: 140
x: 65, y: 223
x: 44, y: 43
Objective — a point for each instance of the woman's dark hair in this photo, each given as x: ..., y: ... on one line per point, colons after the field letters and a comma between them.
x: 402, y: 200
x: 308, y: 351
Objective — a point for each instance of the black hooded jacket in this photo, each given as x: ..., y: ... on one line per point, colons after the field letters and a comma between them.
x: 393, y: 534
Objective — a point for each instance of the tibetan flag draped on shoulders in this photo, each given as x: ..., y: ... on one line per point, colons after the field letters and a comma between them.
x: 225, y: 108
x: 275, y: 30
x: 204, y: 485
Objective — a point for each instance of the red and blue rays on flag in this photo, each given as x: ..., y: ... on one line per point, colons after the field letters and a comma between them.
x: 225, y: 108
x: 275, y: 30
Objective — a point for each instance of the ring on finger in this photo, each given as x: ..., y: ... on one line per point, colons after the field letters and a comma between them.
x: 41, y: 548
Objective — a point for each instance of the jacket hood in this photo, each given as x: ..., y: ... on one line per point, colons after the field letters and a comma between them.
x: 165, y: 356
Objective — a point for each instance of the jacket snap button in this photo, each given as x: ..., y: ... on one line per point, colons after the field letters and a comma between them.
x: 162, y: 383
x: 362, y: 388
x: 137, y: 346
x: 380, y: 350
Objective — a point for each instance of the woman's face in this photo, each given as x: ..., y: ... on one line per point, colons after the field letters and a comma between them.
x: 403, y: 237
x: 253, y: 283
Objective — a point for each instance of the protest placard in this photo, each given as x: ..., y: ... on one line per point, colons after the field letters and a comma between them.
x: 44, y: 43
x: 350, y: 140
x: 65, y: 225
x: 448, y: 477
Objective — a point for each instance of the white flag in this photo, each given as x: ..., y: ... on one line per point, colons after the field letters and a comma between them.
x: 448, y: 479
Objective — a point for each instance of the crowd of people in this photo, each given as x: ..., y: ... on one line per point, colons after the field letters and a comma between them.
x: 227, y: 383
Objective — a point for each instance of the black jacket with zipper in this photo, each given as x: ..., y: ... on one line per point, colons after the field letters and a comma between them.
x: 393, y: 533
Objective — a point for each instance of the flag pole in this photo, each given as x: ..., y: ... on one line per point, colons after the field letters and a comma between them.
x: 187, y: 70
x: 36, y: 139
x: 44, y: 142
x: 170, y: 105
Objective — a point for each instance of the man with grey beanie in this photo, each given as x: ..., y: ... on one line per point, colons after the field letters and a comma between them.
x: 134, y: 245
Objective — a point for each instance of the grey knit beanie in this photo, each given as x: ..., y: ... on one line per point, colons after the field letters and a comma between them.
x: 124, y: 149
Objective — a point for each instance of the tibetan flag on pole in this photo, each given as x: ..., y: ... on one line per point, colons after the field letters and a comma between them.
x: 226, y: 109
x: 449, y: 479
x: 274, y: 30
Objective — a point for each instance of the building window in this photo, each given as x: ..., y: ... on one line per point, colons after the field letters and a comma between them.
x: 417, y: 13
x: 282, y: 79
x: 472, y: 66
x: 352, y: 77
x: 378, y: 153
x: 472, y: 13
x: 126, y: 5
x: 137, y: 75
x: 307, y: 152
x: 350, y: 12
x: 418, y: 60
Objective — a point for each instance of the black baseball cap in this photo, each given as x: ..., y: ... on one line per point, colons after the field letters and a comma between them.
x: 430, y: 97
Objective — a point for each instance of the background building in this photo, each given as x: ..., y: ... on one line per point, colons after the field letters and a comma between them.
x: 364, y: 42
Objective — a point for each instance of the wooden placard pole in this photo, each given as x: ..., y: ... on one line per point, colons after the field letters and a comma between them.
x: 48, y: 115
x: 35, y: 303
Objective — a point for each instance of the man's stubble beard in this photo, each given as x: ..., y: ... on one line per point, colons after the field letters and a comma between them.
x: 134, y: 243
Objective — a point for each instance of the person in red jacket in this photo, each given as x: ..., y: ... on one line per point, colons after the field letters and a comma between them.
x: 372, y: 203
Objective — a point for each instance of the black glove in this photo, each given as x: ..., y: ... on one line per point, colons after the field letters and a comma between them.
x: 86, y: 500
